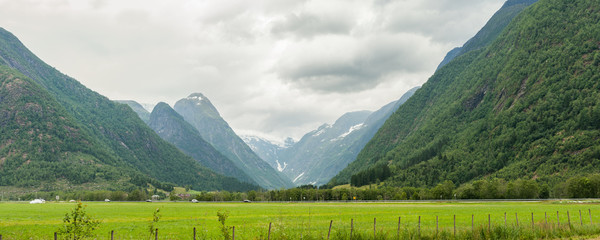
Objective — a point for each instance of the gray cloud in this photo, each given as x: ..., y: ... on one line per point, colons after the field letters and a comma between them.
x: 278, y: 67
x: 357, y: 66
x: 307, y: 25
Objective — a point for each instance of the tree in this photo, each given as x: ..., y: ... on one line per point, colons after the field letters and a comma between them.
x: 77, y: 224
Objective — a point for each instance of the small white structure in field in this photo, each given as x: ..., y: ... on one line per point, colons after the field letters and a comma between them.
x: 194, y: 200
x: 107, y: 200
x: 36, y: 201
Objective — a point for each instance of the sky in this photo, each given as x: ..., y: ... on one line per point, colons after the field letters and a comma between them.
x: 273, y: 68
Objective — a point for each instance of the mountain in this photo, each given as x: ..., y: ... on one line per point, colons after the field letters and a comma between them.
x: 525, y: 106
x: 137, y: 108
x: 117, y: 137
x: 322, y: 153
x: 200, y: 113
x: 268, y: 150
x: 491, y: 30
x: 41, y: 143
x: 171, y: 126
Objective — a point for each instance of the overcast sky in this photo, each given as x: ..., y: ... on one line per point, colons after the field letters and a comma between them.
x: 274, y: 68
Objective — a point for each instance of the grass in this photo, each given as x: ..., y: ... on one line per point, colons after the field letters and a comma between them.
x: 130, y: 220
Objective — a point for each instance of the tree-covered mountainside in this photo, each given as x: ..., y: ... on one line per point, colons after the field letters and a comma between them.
x: 171, y: 126
x: 40, y: 143
x: 526, y: 106
x: 324, y: 152
x: 115, y: 131
x: 200, y: 113
x: 491, y: 30
x: 137, y: 108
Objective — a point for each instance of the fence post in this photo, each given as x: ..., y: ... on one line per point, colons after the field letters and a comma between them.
x: 156, y: 235
x: 437, y: 226
x: 557, y: 219
x: 489, y: 223
x: 194, y: 233
x: 233, y: 233
x: 269, y: 236
x: 112, y: 235
x: 398, y: 233
x: 374, y: 228
x: 568, y: 219
x: 329, y: 233
x: 580, y: 218
x: 351, y: 227
x: 590, y: 211
x: 517, y: 217
x: 419, y: 226
x: 505, y: 219
x: 55, y: 236
x: 454, y: 224
x: 473, y: 223
x: 532, y: 227
x: 545, y: 218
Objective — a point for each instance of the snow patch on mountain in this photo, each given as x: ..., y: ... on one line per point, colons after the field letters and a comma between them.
x: 296, y: 179
x: 322, y: 129
x: 352, y: 129
x: 279, y: 168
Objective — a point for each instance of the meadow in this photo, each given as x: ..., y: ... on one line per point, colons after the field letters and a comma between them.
x: 297, y: 220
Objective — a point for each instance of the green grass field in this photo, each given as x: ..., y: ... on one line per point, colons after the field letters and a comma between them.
x: 130, y: 220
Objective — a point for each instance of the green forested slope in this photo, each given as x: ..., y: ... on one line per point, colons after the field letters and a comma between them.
x: 491, y: 30
x: 114, y: 127
x: 526, y: 106
x: 40, y: 143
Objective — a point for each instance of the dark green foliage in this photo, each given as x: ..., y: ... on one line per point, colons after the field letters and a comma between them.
x: 521, y: 108
x: 77, y: 224
x: 374, y: 174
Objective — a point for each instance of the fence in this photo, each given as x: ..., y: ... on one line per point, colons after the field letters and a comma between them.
x: 485, y: 226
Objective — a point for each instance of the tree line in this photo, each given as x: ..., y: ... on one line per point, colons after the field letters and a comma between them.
x: 587, y: 186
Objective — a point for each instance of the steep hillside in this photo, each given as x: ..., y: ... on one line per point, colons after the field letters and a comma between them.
x: 171, y: 126
x: 200, y: 113
x: 137, y: 108
x: 491, y: 30
x: 525, y: 106
x: 128, y: 142
x: 40, y: 144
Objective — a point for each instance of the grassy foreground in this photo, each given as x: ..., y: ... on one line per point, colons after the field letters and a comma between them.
x: 130, y: 220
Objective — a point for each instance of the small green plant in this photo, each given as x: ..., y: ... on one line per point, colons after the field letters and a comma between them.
x: 77, y: 224
x: 223, y: 215
x: 152, y: 225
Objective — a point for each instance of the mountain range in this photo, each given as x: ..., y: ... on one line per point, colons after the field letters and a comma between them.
x: 322, y: 153
x: 61, y: 135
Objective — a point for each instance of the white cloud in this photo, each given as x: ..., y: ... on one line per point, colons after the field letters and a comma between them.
x: 279, y: 67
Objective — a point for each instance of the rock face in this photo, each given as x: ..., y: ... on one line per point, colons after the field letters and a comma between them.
x: 171, y: 126
x: 200, y: 113
x: 108, y: 144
